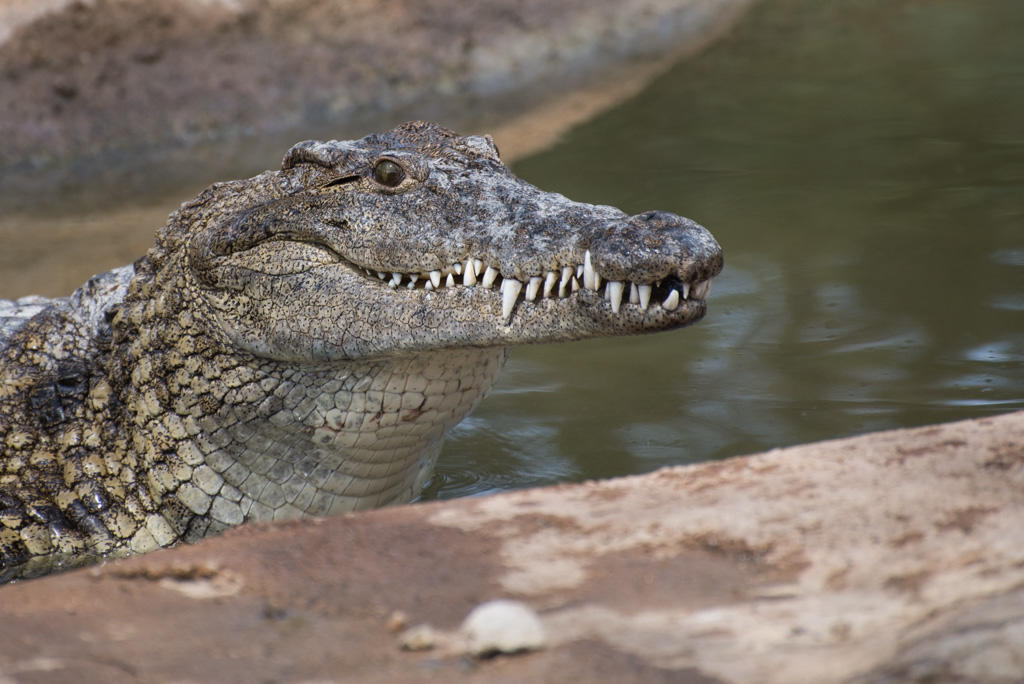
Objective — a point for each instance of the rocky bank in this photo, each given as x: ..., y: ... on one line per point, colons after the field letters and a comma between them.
x: 891, y: 557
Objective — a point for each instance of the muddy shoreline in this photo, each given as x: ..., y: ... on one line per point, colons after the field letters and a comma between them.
x: 106, y: 89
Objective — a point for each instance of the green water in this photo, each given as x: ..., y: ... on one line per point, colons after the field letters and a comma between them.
x: 861, y: 162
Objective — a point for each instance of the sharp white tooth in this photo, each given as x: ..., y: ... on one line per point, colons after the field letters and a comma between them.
x: 672, y: 301
x: 575, y: 284
x: 412, y: 281
x: 588, y: 272
x: 634, y: 295
x: 469, y: 274
x: 449, y: 281
x: 489, y: 276
x: 510, y: 288
x: 435, y: 278
x: 549, y: 283
x: 532, y: 288
x: 614, y: 294
x: 457, y: 268
x: 686, y: 290
x: 645, y: 295
x: 396, y: 278
x: 597, y: 281
x: 470, y: 267
x: 428, y: 286
x: 564, y: 282
x: 478, y: 266
x: 701, y: 289
x: 579, y: 271
x: 392, y: 284
x: 381, y: 275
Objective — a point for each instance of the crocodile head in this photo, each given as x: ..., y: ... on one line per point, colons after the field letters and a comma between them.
x: 418, y: 239
x: 301, y: 341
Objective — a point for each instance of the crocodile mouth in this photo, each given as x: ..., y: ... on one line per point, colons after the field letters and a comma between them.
x: 668, y: 293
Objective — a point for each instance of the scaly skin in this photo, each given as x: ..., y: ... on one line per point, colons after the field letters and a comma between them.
x: 299, y: 342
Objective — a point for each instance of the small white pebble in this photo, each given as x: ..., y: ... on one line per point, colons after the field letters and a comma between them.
x: 418, y: 638
x: 502, y: 627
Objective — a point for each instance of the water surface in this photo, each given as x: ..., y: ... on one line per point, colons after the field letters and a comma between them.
x: 861, y: 162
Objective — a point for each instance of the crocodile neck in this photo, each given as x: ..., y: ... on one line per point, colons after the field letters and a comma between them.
x: 225, y: 436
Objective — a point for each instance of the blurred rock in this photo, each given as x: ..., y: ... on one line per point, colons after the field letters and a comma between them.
x: 123, y: 82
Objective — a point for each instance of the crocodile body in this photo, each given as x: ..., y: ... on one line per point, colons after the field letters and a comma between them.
x: 298, y: 343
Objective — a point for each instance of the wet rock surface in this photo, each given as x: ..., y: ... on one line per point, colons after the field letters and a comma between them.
x: 896, y: 556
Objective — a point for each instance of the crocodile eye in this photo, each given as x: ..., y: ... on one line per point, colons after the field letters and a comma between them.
x: 388, y: 173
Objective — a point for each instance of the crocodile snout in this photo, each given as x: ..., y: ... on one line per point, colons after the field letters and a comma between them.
x: 654, y: 246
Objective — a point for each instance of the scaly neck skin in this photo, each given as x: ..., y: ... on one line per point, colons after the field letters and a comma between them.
x: 225, y: 436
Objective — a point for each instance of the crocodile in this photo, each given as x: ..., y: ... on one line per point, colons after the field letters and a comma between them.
x: 299, y: 343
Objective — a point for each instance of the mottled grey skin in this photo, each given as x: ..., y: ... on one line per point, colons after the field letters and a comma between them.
x: 299, y: 342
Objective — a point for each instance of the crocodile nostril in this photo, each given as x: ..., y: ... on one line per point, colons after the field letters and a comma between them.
x: 656, y: 218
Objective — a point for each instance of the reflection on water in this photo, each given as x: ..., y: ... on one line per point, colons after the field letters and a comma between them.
x: 862, y: 164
